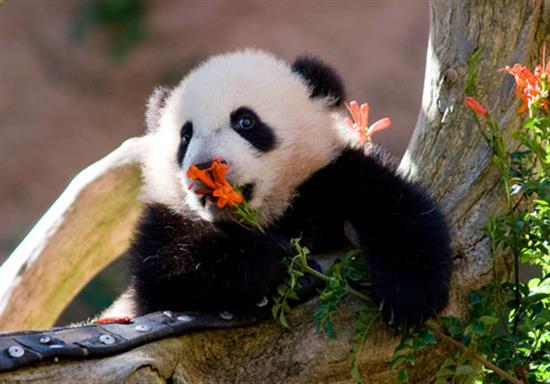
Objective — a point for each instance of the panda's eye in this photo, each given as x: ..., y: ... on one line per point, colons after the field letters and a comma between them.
x: 246, y: 122
x: 186, y: 132
x: 252, y: 128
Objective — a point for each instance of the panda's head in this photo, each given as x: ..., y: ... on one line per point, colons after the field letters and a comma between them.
x: 273, y: 123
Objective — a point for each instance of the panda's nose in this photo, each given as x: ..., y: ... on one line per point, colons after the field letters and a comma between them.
x: 208, y: 164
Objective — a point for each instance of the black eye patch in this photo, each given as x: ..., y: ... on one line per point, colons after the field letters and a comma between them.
x: 186, y: 133
x: 249, y: 125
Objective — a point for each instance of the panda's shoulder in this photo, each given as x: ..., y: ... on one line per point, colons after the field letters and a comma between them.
x: 372, y: 155
x: 358, y: 162
x: 381, y: 156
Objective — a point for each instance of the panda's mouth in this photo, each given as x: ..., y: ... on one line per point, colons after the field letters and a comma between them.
x: 247, y: 191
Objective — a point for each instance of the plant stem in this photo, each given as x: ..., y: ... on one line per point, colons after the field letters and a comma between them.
x: 517, y: 293
x: 433, y: 326
x: 354, y: 292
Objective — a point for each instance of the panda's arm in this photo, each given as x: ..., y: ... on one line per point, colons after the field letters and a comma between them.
x: 403, y: 234
x: 183, y: 264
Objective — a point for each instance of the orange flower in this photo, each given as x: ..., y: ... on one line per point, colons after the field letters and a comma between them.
x: 202, y: 175
x: 213, y: 178
x: 218, y: 170
x: 531, y: 87
x: 360, y: 121
x: 474, y: 105
x: 227, y: 195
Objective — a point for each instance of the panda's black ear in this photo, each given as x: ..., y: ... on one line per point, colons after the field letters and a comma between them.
x: 154, y: 107
x: 322, y: 79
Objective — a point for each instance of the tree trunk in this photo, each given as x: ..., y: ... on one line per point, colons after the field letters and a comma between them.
x: 446, y: 152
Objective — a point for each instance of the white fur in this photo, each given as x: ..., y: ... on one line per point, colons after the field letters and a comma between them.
x: 306, y: 132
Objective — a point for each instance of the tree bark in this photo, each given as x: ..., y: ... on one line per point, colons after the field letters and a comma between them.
x: 88, y: 226
x: 446, y: 153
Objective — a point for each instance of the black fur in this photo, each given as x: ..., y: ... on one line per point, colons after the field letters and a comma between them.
x: 321, y: 78
x: 186, y: 133
x: 260, y: 135
x: 401, y: 231
x: 181, y: 264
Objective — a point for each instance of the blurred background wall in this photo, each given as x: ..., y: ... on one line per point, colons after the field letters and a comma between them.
x: 75, y: 74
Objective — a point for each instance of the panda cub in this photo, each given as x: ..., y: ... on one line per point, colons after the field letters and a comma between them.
x: 279, y: 128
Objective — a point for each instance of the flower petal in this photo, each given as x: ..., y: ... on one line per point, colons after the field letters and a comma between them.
x: 355, y: 112
x: 475, y: 106
x: 364, y: 123
x: 219, y: 170
x: 349, y: 122
x: 194, y: 173
x: 235, y: 198
x: 379, y: 126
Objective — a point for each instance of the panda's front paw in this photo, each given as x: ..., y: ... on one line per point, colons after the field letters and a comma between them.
x: 399, y: 314
x: 410, y: 307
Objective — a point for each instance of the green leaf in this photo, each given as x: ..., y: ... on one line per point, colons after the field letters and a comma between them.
x: 403, y: 375
x: 283, y: 320
x: 472, y: 71
x: 465, y: 370
x: 405, y: 344
x: 397, y: 361
x: 429, y: 337
x: 328, y: 327
x: 275, y: 309
x: 453, y: 325
x: 292, y: 295
x: 477, y: 328
x: 444, y: 372
x: 355, y: 374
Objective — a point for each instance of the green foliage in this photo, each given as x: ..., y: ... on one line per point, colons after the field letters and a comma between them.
x: 350, y: 268
x: 366, y: 318
x: 288, y: 290
x: 404, y: 354
x: 520, y: 344
x: 472, y: 71
x: 246, y: 215
x: 458, y: 369
x: 121, y: 19
x: 509, y: 320
x: 335, y: 290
